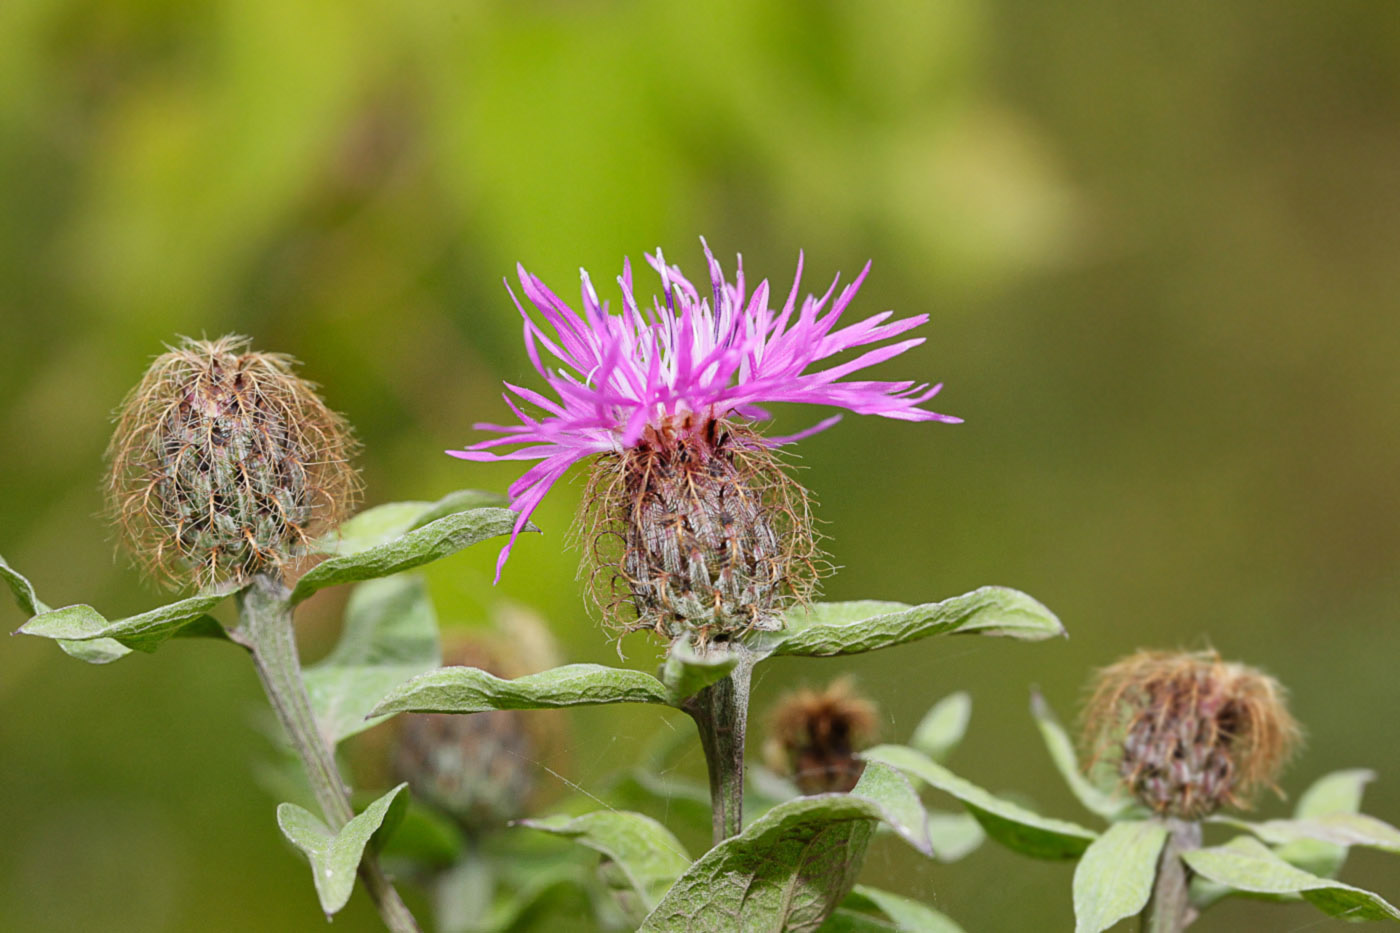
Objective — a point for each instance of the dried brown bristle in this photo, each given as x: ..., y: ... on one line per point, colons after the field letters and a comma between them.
x: 813, y: 737
x: 697, y: 531
x: 1188, y: 733
x: 224, y: 462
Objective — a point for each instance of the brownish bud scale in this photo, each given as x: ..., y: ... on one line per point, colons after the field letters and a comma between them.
x: 479, y: 768
x: 701, y: 531
x: 813, y: 737
x: 1188, y: 733
x: 223, y: 462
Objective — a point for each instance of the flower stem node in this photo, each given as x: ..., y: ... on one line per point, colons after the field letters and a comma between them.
x: 222, y: 463
x: 1188, y: 733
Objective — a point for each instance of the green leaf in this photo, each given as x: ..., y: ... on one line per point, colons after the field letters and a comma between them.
x: 943, y: 726
x: 1246, y: 864
x: 790, y: 868
x: 435, y: 540
x: 1338, y: 792
x: 1341, y: 829
x: 1010, y: 824
x: 908, y: 915
x: 96, y: 651
x: 954, y: 835
x: 390, y: 635
x: 825, y: 629
x: 1114, y: 878
x: 335, y: 857
x: 644, y: 851
x: 144, y: 632
x: 687, y: 672
x: 1062, y: 754
x: 384, y: 523
x: 468, y: 690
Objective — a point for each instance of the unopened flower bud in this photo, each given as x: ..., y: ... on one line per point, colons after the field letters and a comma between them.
x: 813, y: 737
x: 477, y: 768
x: 1187, y: 733
x: 700, y: 530
x: 223, y: 462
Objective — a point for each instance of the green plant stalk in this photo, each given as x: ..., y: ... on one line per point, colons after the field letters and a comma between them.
x: 1170, y: 910
x: 721, y: 712
x: 266, y: 630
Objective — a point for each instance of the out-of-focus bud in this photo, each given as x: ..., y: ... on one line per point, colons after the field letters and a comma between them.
x: 813, y: 737
x: 1188, y: 733
x: 224, y: 462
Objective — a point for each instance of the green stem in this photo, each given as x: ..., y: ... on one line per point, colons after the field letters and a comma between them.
x: 1170, y: 910
x: 721, y: 712
x: 266, y: 631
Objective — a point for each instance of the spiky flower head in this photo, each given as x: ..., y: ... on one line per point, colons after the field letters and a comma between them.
x: 1188, y: 733
x: 814, y: 736
x: 224, y: 462
x: 690, y: 516
x: 478, y: 769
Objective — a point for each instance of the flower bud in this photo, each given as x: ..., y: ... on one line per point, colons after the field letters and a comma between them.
x: 813, y: 737
x: 478, y: 768
x: 223, y: 462
x: 1187, y: 733
x: 701, y: 531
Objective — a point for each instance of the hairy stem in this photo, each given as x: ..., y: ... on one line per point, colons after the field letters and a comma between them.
x: 1170, y: 910
x: 721, y: 712
x: 266, y: 631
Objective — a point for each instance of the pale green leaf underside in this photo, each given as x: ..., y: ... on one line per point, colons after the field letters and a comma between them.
x: 908, y: 916
x: 954, y: 835
x: 825, y: 629
x: 22, y: 589
x: 435, y: 540
x: 1066, y: 762
x: 383, y: 523
x: 143, y: 632
x: 1338, y: 792
x: 1114, y: 877
x: 468, y: 690
x: 789, y: 868
x: 96, y: 651
x: 646, y: 853
x: 334, y: 857
x: 1010, y: 824
x: 1246, y: 864
x: 390, y: 635
x: 687, y: 672
x: 943, y: 726
x: 1341, y: 829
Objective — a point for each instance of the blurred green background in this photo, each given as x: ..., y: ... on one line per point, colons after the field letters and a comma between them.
x: 1159, y: 247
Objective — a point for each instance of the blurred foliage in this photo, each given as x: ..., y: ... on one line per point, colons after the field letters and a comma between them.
x: 1158, y: 246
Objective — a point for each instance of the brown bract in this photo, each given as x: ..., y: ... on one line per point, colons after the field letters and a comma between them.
x: 1188, y: 733
x: 224, y: 462
x: 813, y: 737
x: 697, y: 531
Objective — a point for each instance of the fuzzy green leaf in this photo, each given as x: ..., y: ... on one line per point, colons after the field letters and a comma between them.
x: 1246, y: 864
x: 790, y: 868
x: 96, y: 651
x: 390, y: 635
x: 334, y: 857
x: 383, y: 523
x: 468, y: 690
x: 1114, y: 878
x: 1062, y: 754
x: 1341, y: 829
x: 954, y: 835
x: 907, y: 915
x: 687, y: 672
x: 825, y: 629
x: 1335, y: 793
x: 943, y: 726
x: 1010, y: 824
x: 144, y: 632
x: 649, y: 857
x: 435, y: 540
x: 462, y: 500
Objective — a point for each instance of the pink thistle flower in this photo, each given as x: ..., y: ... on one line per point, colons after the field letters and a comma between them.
x: 682, y: 365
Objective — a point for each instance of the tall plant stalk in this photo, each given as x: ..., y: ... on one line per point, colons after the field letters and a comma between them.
x: 721, y: 712
x: 1170, y: 910
x: 266, y: 631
